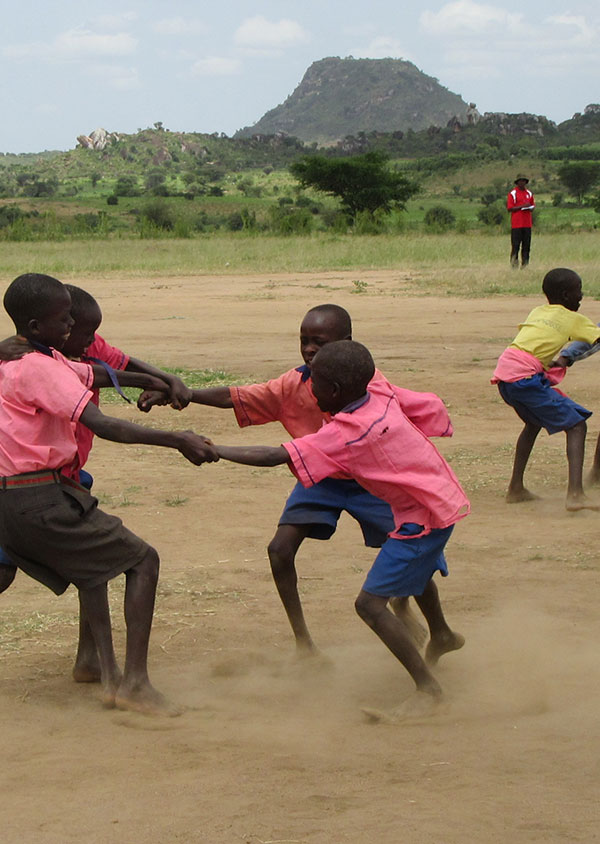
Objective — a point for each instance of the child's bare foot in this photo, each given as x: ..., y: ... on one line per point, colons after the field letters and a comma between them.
x: 401, y: 609
x: 581, y: 502
x: 415, y: 708
x: 146, y: 700
x: 443, y: 644
x: 516, y: 496
x: 86, y: 671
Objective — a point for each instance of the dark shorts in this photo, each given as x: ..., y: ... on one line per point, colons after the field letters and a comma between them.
x: 537, y: 403
x: 404, y: 567
x: 319, y: 507
x: 56, y: 534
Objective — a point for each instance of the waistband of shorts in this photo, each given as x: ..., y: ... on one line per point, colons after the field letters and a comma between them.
x: 29, y: 479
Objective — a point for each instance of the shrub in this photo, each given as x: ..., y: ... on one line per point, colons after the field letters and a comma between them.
x: 440, y: 218
x: 113, y: 199
x: 159, y: 214
x: 491, y: 215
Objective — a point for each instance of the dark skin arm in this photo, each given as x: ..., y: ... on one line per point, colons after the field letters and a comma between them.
x: 210, y: 396
x: 129, y: 379
x: 195, y: 448
x: 179, y: 396
x: 254, y: 455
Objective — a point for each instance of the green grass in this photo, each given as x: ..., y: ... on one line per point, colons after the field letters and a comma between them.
x: 471, y: 264
x: 194, y: 378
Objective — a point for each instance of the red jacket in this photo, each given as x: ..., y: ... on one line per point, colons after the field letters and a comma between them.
x: 520, y: 219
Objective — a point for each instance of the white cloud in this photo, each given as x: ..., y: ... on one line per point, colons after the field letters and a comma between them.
x: 467, y: 16
x: 259, y: 32
x: 583, y: 32
x: 178, y: 26
x: 216, y: 66
x: 119, y: 77
x: 382, y: 47
x: 80, y: 42
x: 118, y: 21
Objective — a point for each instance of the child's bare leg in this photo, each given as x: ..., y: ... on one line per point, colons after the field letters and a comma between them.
x: 576, y: 499
x: 7, y: 575
x: 94, y: 606
x: 443, y: 639
x: 282, y: 554
x: 135, y: 691
x: 394, y: 635
x: 400, y: 607
x: 593, y: 478
x: 516, y: 490
x: 87, y: 664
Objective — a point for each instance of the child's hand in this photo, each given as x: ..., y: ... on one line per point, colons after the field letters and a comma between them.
x: 149, y: 398
x: 14, y: 348
x: 560, y: 361
x: 196, y: 448
x: 179, y: 395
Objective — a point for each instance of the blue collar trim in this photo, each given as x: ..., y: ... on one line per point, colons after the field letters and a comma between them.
x: 305, y: 370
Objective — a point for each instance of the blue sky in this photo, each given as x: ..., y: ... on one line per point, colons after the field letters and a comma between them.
x: 70, y: 67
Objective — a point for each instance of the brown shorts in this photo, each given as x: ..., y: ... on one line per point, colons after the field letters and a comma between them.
x: 57, y: 535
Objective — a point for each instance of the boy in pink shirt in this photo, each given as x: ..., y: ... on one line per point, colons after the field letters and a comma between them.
x: 314, y: 512
x: 50, y: 526
x: 371, y: 439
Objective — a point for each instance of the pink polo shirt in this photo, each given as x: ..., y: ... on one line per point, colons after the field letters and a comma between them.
x: 376, y: 444
x: 289, y: 399
x: 85, y: 438
x: 41, y: 399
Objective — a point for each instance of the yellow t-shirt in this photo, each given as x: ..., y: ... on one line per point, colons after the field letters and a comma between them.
x: 548, y: 328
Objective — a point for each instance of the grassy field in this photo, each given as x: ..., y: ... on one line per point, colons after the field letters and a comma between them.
x: 471, y: 264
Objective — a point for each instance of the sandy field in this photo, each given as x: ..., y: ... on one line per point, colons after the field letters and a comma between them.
x: 269, y: 750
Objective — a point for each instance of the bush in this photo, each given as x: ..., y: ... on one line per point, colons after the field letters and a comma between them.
x: 491, y: 215
x: 113, y: 199
x: 440, y: 218
x: 159, y: 214
x: 290, y: 221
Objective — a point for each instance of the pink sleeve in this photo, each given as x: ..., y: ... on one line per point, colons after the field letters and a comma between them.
x: 257, y: 404
x: 48, y: 384
x: 109, y: 354
x: 425, y: 410
x: 317, y: 456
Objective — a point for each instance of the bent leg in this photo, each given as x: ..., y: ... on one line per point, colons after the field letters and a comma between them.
x: 87, y: 664
x: 135, y: 691
x: 395, y: 636
x: 516, y: 490
x: 94, y: 607
x: 576, y: 499
x: 401, y: 608
x: 282, y: 551
x: 443, y: 639
x: 593, y: 479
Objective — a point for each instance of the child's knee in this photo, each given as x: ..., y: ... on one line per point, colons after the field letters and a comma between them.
x: 369, y: 606
x: 281, y: 555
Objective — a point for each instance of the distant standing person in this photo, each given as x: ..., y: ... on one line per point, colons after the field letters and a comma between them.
x: 520, y: 203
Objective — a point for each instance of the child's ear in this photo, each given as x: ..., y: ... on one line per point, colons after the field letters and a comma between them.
x: 33, y: 326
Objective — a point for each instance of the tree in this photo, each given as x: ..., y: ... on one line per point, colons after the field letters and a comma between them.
x: 579, y: 176
x: 362, y: 182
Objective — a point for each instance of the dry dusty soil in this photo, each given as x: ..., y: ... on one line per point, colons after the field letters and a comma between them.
x: 269, y: 750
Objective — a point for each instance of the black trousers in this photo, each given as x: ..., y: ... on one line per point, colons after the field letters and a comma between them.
x: 520, y: 239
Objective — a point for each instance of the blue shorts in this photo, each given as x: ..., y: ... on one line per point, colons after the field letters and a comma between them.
x: 319, y: 507
x: 85, y: 479
x: 404, y: 567
x: 537, y: 403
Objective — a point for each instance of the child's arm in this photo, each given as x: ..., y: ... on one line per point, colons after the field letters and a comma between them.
x: 129, y: 379
x: 210, y: 396
x: 254, y: 455
x: 14, y: 347
x: 193, y: 447
x: 179, y: 393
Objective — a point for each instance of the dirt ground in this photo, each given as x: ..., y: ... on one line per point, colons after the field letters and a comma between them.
x: 270, y: 751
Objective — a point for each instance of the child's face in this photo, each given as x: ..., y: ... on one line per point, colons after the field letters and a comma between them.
x: 317, y: 329
x: 326, y: 393
x: 54, y: 328
x: 82, y: 333
x: 573, y: 295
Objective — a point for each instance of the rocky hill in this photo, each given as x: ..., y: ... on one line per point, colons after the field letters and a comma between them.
x: 339, y: 97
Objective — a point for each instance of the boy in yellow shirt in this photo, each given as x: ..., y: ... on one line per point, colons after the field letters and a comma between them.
x: 525, y: 375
